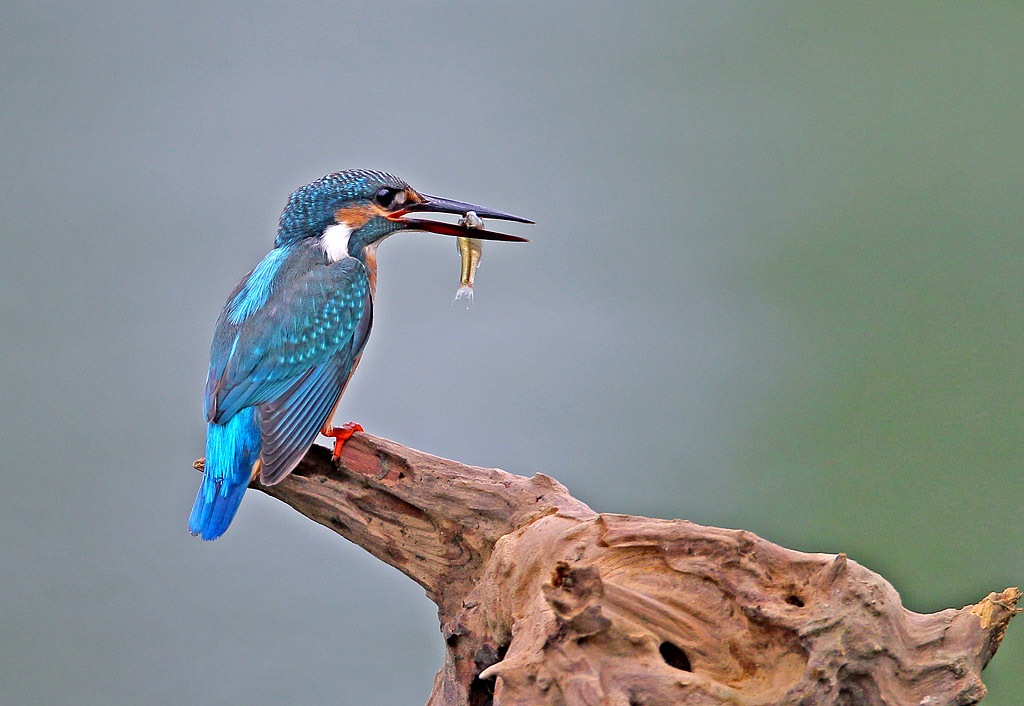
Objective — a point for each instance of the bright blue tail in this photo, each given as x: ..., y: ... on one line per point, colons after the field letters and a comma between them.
x: 231, y: 450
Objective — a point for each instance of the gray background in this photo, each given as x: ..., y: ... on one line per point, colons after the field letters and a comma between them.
x: 775, y: 284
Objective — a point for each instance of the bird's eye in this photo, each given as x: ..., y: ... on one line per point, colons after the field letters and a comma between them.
x: 385, y: 196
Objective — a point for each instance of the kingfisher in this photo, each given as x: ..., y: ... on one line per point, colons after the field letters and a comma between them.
x: 292, y: 331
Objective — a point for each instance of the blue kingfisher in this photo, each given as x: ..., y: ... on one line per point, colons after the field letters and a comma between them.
x: 292, y: 332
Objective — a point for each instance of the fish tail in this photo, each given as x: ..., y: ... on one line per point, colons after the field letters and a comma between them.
x: 464, y: 292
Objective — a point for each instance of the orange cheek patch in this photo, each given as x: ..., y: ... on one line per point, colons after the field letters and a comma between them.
x: 355, y: 217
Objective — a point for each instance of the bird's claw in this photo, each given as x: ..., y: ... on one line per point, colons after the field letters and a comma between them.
x: 341, y: 435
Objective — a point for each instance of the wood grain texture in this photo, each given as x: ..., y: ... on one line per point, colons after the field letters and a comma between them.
x: 542, y: 601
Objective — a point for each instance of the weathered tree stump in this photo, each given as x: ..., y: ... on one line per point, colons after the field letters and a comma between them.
x: 544, y: 601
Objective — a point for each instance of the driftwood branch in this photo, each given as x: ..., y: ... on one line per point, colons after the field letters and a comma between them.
x: 544, y: 601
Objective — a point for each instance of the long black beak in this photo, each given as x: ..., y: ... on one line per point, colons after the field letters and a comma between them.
x: 435, y: 204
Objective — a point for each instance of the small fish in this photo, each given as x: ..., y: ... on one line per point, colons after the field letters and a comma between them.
x: 471, y: 250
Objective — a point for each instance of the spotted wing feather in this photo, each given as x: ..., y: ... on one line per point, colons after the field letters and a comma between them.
x: 309, y: 317
x: 291, y: 357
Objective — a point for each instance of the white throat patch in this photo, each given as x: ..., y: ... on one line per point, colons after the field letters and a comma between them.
x: 334, y: 241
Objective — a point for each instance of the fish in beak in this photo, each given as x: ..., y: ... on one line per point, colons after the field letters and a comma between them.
x: 436, y: 204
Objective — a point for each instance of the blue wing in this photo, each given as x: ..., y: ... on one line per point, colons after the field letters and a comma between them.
x: 289, y: 424
x: 291, y: 353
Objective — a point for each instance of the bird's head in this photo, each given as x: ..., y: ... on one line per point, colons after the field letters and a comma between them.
x: 353, y: 210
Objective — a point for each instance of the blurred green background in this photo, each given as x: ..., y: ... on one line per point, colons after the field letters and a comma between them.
x: 776, y: 283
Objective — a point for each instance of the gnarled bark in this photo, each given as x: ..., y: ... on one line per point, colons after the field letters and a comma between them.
x: 543, y: 601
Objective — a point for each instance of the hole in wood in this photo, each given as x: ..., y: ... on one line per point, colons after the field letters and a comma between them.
x: 481, y: 691
x: 794, y: 599
x: 674, y: 657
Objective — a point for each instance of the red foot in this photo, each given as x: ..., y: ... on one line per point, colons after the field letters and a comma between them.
x: 341, y: 435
